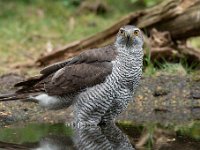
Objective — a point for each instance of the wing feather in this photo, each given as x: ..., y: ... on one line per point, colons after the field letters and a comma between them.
x: 77, y: 77
x: 85, y: 70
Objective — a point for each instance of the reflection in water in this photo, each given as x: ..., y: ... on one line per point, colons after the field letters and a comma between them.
x: 85, y: 138
x: 61, y: 137
x: 55, y: 143
x: 105, y: 138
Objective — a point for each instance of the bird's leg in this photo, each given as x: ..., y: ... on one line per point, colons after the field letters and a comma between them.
x: 118, y: 105
x: 116, y: 109
x: 107, y: 118
x: 90, y: 112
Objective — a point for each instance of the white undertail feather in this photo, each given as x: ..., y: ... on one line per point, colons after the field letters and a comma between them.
x: 53, y: 102
x: 46, y: 101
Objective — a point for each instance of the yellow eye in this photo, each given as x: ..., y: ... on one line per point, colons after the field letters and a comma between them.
x: 136, y: 32
x: 121, y: 31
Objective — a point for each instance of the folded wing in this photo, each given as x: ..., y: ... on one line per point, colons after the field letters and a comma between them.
x: 85, y: 70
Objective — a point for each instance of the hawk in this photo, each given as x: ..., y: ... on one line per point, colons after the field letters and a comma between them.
x: 99, y: 83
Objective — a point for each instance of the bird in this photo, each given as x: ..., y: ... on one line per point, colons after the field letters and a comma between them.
x: 99, y: 82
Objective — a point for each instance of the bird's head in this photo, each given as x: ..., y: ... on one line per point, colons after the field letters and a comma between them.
x: 129, y: 36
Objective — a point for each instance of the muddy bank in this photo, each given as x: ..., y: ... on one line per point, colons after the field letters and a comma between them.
x: 161, y: 98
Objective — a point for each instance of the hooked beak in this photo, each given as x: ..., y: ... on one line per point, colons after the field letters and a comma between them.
x: 128, y: 38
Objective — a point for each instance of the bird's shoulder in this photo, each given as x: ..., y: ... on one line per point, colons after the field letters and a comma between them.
x: 107, y: 54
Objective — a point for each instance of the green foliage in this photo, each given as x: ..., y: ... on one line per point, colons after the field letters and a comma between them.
x: 71, y: 2
x: 149, y: 68
x: 150, y: 128
x: 192, y: 130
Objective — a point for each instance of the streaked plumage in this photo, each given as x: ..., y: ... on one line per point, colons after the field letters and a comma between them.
x: 99, y: 82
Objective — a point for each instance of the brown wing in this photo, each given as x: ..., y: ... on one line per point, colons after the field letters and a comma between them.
x: 104, y: 54
x: 74, y: 78
x: 87, y: 69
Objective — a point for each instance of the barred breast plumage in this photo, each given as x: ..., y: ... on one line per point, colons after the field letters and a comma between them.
x: 112, y: 96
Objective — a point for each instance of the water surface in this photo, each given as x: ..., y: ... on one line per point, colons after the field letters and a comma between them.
x: 122, y: 136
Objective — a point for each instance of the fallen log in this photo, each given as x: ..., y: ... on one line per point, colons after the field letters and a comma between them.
x: 180, y: 18
x: 90, y: 42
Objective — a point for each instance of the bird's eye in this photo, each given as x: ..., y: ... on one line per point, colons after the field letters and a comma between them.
x: 121, y: 31
x: 136, y: 32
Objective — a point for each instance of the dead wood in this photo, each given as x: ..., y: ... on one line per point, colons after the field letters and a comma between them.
x: 90, y: 42
x: 174, y: 19
x: 192, y: 54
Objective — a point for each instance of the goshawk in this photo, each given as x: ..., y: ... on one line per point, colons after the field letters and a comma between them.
x: 98, y: 82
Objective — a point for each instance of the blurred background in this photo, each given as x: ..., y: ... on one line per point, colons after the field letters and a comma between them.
x: 167, y: 103
x: 30, y: 28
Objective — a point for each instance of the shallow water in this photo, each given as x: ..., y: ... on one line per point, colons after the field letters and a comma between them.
x: 121, y: 137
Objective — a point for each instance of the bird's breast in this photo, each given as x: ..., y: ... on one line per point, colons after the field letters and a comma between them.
x: 127, y: 71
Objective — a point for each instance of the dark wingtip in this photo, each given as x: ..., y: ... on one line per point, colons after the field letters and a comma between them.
x: 29, y: 82
x: 44, y: 70
x: 19, y: 84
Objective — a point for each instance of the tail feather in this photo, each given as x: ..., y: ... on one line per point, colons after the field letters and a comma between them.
x: 6, y: 95
x: 14, y: 96
x: 27, y: 88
